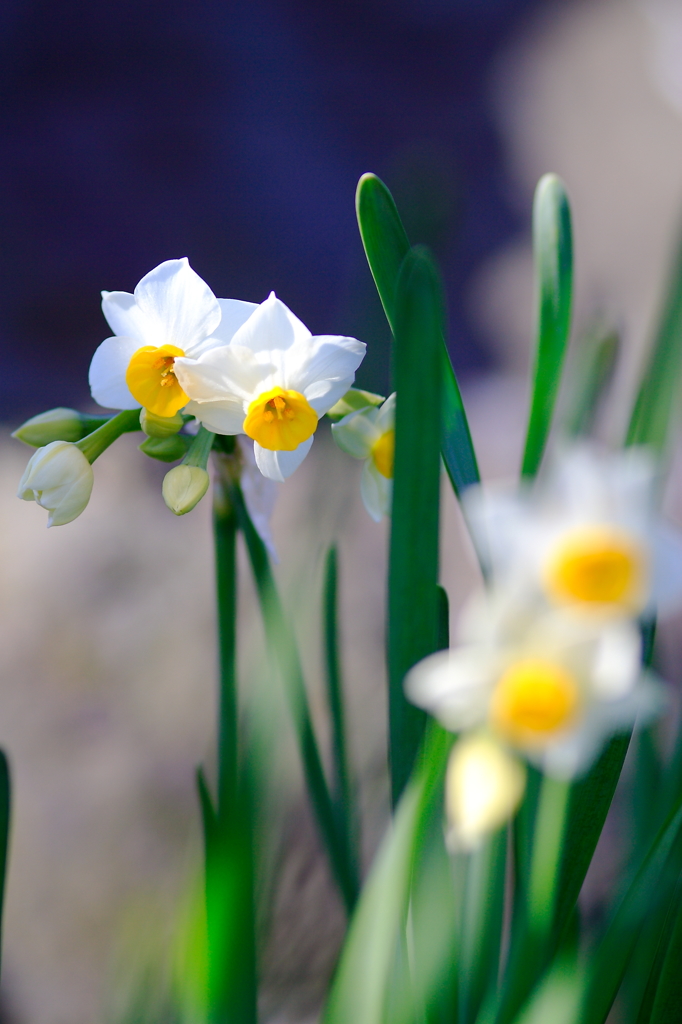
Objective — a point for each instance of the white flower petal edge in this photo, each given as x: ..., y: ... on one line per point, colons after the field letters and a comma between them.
x: 59, y: 478
x: 107, y: 375
x: 171, y: 305
x: 280, y: 465
x: 260, y: 495
x: 484, y: 785
x: 376, y: 492
x: 356, y: 433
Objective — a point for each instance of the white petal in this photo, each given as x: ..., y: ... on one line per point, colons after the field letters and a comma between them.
x: 59, y: 478
x: 376, y: 492
x: 386, y: 415
x: 271, y: 326
x: 617, y: 661
x: 356, y: 433
x: 279, y: 465
x: 324, y: 369
x: 454, y: 686
x: 182, y: 306
x: 229, y: 371
x: 260, y: 495
x: 484, y: 785
x: 107, y: 374
x: 234, y: 313
x: 224, y: 417
x: 127, y: 319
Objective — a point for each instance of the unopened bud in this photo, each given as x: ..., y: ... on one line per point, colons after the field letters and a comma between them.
x: 160, y: 426
x: 184, y: 487
x: 353, y: 400
x: 484, y: 785
x: 59, y: 478
x: 56, y: 425
x: 165, y: 449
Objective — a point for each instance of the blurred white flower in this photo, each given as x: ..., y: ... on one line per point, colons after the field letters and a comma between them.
x: 272, y: 382
x: 369, y: 434
x: 59, y: 478
x: 484, y: 785
x: 551, y: 685
x: 172, y: 313
x: 587, y: 535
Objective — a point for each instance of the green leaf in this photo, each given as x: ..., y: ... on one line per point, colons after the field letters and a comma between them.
x: 553, y: 252
x: 386, y: 245
x: 590, y: 375
x: 359, y: 990
x: 591, y: 798
x: 668, y: 996
x: 284, y: 652
x: 346, y: 814
x: 659, y: 388
x: 413, y: 565
x: 648, y: 892
x: 482, y: 924
x: 209, y: 818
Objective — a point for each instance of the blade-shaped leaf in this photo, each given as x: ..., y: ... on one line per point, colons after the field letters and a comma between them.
x: 386, y: 245
x: 553, y: 252
x: 659, y: 387
x: 413, y: 568
x: 359, y: 989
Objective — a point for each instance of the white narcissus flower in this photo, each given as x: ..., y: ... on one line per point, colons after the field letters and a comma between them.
x: 586, y: 536
x: 369, y: 434
x: 272, y: 382
x: 551, y: 685
x: 59, y: 478
x: 484, y: 785
x: 171, y: 313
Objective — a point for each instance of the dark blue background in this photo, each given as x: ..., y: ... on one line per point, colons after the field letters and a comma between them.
x: 234, y: 134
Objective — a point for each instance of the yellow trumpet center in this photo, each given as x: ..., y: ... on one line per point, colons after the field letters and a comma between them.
x: 280, y: 420
x: 152, y: 381
x: 534, y: 699
x: 597, y: 565
x: 383, y: 451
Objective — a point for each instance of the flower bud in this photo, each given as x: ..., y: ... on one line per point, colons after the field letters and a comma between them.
x: 483, y: 788
x: 59, y: 478
x: 165, y: 449
x: 184, y: 487
x: 160, y: 426
x: 53, y: 425
x: 353, y: 400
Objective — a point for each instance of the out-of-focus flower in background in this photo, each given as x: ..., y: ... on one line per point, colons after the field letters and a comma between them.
x: 59, y: 478
x: 587, y: 535
x: 272, y: 382
x: 550, y: 684
x: 369, y: 434
x: 484, y: 785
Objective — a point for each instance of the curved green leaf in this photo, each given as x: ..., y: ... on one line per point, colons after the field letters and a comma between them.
x: 553, y: 252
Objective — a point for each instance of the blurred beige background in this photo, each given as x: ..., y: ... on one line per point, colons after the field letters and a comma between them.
x: 107, y: 628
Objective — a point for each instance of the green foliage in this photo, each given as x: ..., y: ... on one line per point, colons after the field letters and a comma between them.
x: 553, y: 252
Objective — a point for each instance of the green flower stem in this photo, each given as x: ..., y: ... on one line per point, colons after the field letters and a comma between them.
x: 94, y: 444
x: 225, y: 533
x: 283, y: 649
x: 546, y: 856
x: 347, y: 818
x: 482, y: 912
x: 200, y: 449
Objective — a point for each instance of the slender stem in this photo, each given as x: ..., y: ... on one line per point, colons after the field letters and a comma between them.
x: 283, y: 648
x: 200, y: 449
x: 546, y: 855
x: 346, y: 816
x: 99, y: 440
x: 225, y: 532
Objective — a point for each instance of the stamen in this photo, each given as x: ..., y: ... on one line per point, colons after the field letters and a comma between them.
x: 280, y: 420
